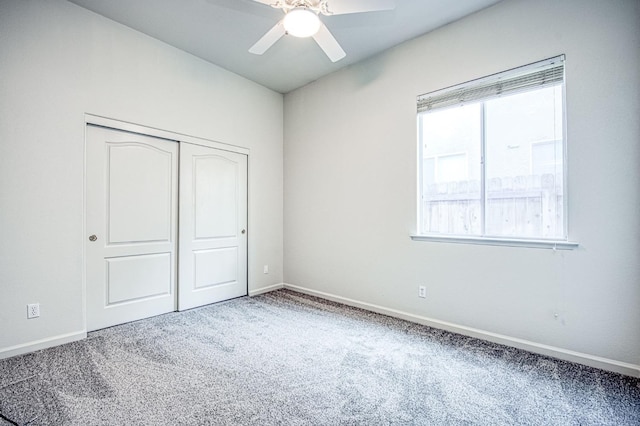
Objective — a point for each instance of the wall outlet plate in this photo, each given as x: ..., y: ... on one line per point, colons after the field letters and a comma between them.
x: 422, y: 291
x: 33, y: 310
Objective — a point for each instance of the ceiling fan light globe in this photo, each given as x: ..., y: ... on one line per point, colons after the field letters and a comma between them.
x: 301, y: 22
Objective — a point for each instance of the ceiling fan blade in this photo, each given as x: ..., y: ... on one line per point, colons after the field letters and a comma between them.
x: 342, y: 7
x: 268, y: 40
x: 329, y: 44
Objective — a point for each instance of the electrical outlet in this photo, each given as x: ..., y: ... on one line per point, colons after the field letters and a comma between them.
x: 33, y: 310
x: 422, y: 291
x: 266, y: 269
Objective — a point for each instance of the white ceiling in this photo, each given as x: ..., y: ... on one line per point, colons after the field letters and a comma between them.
x: 222, y: 31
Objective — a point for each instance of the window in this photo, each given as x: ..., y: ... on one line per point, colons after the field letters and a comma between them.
x: 492, y: 157
x: 444, y: 168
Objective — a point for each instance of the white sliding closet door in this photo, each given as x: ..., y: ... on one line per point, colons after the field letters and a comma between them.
x: 131, y: 223
x: 213, y: 224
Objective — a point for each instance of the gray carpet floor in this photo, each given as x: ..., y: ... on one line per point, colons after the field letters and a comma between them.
x: 284, y: 358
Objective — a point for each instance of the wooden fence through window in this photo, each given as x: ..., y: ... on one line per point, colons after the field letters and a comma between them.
x: 523, y: 206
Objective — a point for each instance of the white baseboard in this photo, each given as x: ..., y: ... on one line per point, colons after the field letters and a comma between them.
x: 42, y: 344
x: 552, y: 351
x: 72, y: 337
x: 267, y: 289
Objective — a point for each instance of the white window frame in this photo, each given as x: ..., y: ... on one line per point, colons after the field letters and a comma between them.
x: 449, y: 97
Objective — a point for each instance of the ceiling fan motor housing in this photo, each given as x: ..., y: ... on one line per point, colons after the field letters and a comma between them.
x: 318, y: 6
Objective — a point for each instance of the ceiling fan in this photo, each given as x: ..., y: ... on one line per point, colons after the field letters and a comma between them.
x: 302, y: 20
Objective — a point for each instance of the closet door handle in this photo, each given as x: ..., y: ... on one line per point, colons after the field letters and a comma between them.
x: 93, y: 238
x: 244, y: 230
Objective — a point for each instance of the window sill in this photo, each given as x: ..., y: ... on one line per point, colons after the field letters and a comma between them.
x: 542, y: 244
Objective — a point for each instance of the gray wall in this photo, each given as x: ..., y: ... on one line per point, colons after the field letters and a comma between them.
x: 58, y: 62
x: 350, y: 185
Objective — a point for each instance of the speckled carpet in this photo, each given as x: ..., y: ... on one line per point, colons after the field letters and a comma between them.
x: 284, y: 358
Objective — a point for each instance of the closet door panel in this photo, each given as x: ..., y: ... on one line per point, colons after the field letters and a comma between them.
x: 213, y: 225
x: 131, y: 223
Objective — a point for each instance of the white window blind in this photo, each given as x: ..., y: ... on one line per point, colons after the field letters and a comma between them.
x: 533, y: 76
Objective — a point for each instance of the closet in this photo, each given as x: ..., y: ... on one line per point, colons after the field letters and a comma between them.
x: 166, y: 224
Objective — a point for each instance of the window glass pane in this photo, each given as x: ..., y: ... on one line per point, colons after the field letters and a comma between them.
x: 451, y: 141
x: 524, y: 165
